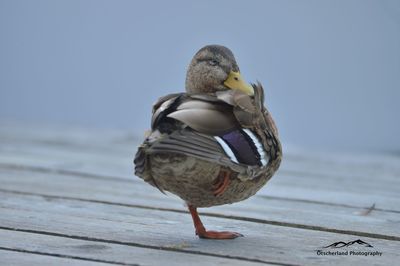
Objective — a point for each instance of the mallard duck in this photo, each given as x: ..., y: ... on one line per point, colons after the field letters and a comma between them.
x: 215, y: 144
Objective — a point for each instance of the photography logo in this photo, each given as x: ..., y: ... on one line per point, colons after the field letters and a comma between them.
x: 351, y: 248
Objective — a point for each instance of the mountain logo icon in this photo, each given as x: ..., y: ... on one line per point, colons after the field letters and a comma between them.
x: 342, y: 244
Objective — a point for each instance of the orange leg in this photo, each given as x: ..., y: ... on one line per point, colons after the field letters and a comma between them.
x: 203, y: 233
x: 221, y: 183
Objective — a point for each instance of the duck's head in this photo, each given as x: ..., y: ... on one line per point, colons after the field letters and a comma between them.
x: 214, y: 68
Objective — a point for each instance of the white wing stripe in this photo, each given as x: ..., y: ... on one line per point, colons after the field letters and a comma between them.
x: 259, y: 146
x: 227, y: 149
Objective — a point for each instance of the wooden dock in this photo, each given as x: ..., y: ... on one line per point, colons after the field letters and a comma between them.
x: 69, y: 197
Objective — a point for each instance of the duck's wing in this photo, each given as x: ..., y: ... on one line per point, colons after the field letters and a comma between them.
x: 191, y: 143
x: 202, y: 112
x: 216, y: 128
x: 190, y: 124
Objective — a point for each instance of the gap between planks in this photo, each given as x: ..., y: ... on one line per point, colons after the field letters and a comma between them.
x: 66, y: 256
x: 112, y: 253
x: 109, y: 241
x: 82, y: 174
x: 233, y: 217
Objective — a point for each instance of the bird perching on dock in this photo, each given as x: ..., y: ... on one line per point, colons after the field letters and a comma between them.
x: 215, y: 144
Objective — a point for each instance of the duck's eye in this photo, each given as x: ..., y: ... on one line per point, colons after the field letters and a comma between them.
x: 213, y: 62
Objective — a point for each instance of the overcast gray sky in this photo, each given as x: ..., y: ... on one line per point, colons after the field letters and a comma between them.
x: 331, y: 69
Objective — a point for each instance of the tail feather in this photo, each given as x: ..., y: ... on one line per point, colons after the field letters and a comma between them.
x: 140, y: 168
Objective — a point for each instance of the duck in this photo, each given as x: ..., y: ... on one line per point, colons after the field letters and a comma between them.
x: 214, y: 144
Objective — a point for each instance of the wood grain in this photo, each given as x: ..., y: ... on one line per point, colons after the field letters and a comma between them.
x: 95, y: 251
x: 22, y: 258
x: 173, y: 231
x: 140, y: 194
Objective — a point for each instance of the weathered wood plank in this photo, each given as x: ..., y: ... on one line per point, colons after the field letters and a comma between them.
x: 258, y: 207
x: 102, y: 251
x: 13, y: 258
x: 102, y: 163
x: 152, y: 228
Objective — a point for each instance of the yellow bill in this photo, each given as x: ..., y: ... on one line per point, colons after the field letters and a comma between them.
x: 236, y: 82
